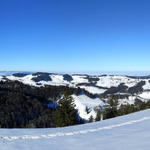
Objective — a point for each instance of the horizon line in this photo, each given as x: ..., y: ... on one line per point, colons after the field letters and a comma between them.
x: 123, y: 73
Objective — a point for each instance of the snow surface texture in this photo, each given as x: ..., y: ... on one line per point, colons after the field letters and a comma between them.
x: 147, y: 85
x: 114, y: 81
x: 145, y: 95
x: 130, y: 100
x: 130, y: 132
x: 83, y: 101
x: 93, y: 90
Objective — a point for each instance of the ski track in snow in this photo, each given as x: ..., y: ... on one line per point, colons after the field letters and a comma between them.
x: 47, y: 136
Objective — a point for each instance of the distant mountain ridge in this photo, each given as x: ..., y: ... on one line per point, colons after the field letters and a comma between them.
x: 13, y: 72
x: 127, y: 87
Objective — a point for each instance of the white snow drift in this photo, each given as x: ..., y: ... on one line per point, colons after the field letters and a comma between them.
x: 127, y: 132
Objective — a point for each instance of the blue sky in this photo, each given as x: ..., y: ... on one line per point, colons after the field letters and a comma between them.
x: 75, y: 35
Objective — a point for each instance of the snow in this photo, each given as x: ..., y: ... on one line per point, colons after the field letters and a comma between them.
x: 131, y: 82
x: 147, y: 85
x: 93, y: 90
x: 114, y: 81
x: 26, y: 79
x: 105, y: 81
x: 145, y: 95
x: 79, y: 79
x: 83, y: 101
x: 130, y: 100
x: 58, y: 80
x: 127, y: 133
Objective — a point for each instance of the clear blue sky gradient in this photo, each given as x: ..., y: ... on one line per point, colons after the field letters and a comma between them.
x: 75, y: 35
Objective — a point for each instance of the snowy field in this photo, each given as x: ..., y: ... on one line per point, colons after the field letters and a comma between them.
x: 130, y: 132
x: 82, y: 101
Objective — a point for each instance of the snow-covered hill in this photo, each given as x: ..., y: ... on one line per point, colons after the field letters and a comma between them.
x: 128, y: 132
x: 127, y: 87
x: 82, y: 101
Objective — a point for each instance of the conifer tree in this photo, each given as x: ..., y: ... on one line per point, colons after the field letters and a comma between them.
x: 87, y: 110
x: 113, y: 101
x: 91, y: 119
x: 66, y: 113
x: 98, y: 116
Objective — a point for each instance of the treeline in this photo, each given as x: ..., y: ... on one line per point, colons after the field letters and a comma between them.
x: 114, y: 110
x: 23, y: 106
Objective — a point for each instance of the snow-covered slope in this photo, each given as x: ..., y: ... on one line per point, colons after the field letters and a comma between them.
x: 114, y: 81
x: 93, y: 90
x: 130, y: 132
x: 82, y: 101
x: 127, y: 87
x: 91, y: 82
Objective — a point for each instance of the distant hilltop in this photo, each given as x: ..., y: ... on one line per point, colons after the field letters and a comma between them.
x: 127, y: 87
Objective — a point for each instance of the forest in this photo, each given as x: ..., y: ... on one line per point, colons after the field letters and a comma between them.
x: 24, y: 106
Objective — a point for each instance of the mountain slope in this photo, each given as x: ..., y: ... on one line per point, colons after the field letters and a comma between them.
x: 127, y: 88
x: 126, y: 132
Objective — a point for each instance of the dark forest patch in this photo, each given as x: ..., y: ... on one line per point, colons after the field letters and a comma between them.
x: 67, y: 77
x: 42, y: 77
x: 20, y: 74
